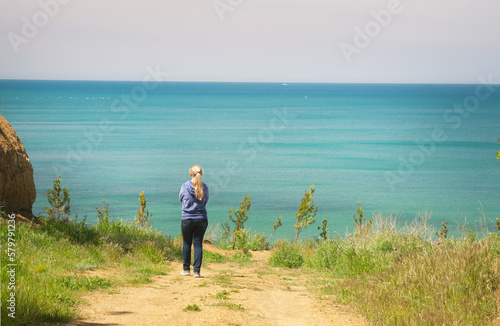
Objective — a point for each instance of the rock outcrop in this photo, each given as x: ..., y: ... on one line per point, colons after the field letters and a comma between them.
x: 17, y: 187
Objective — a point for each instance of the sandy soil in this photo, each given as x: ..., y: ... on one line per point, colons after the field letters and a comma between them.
x: 227, y: 294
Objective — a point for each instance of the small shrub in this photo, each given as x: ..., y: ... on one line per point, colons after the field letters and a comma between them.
x: 254, y: 241
x: 306, y: 212
x: 240, y: 218
x: 443, y: 232
x: 326, y: 254
x: 277, y: 224
x: 103, y: 214
x: 287, y: 255
x: 324, y: 229
x: 143, y: 217
x: 59, y: 199
x: 239, y: 237
x: 360, y: 223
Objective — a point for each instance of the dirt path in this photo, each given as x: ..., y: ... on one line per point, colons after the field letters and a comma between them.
x: 227, y: 294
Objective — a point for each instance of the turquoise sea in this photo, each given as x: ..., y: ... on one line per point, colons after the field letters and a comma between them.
x: 398, y: 149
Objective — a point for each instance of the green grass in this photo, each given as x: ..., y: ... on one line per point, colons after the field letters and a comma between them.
x: 224, y: 295
x: 78, y: 282
x: 287, y: 255
x: 231, y: 306
x: 212, y: 257
x: 403, y: 276
x: 51, y: 258
x: 451, y: 284
x: 242, y: 258
x: 223, y: 278
x: 192, y: 307
x: 393, y: 275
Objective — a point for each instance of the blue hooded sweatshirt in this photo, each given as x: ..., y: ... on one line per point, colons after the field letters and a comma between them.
x: 192, y: 208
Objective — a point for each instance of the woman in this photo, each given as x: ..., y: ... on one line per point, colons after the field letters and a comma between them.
x: 194, y: 197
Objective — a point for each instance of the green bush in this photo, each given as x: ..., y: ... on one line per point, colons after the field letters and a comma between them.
x: 59, y: 200
x: 355, y: 261
x: 245, y: 239
x: 143, y: 217
x: 325, y: 254
x: 126, y: 235
x: 287, y: 255
x: 255, y: 241
x: 77, y: 232
x: 240, y: 237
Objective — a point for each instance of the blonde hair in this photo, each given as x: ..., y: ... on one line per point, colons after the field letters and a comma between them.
x: 196, y: 172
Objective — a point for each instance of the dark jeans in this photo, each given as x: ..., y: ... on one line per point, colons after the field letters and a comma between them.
x: 192, y: 233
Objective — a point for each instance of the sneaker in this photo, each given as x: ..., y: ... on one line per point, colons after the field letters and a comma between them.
x: 185, y: 273
x: 196, y: 275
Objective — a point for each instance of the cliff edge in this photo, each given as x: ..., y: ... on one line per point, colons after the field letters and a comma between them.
x: 17, y: 187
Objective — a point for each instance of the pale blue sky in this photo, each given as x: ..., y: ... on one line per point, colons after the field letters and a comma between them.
x: 419, y: 41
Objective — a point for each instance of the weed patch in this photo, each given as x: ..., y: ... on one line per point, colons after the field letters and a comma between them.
x: 192, y: 307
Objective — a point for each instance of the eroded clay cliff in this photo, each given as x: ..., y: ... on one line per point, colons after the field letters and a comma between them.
x: 17, y: 187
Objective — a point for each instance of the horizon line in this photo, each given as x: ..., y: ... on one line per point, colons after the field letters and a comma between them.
x: 244, y: 82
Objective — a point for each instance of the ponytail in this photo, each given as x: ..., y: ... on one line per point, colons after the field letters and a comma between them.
x: 196, y: 171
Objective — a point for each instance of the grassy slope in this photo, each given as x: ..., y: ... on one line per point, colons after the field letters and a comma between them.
x: 405, y: 277
x: 51, y: 258
x: 392, y: 276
